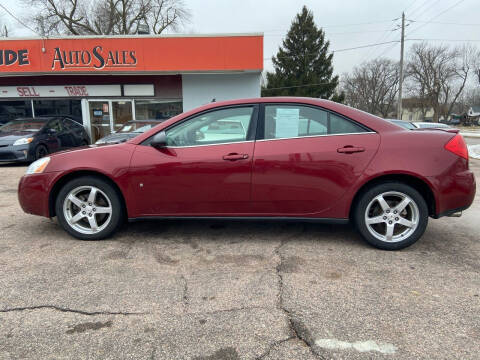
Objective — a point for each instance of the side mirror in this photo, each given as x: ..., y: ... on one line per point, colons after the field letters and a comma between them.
x: 51, y: 131
x: 159, y: 140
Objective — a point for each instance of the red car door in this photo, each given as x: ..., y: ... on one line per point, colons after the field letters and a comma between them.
x: 204, y: 170
x: 307, y: 160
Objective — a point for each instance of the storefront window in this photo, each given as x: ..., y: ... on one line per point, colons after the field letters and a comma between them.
x: 156, y: 109
x: 10, y: 110
x: 70, y: 108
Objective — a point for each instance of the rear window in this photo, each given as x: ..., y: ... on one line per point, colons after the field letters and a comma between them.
x: 292, y: 121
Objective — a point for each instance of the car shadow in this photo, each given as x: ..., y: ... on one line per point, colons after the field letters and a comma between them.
x: 234, y: 231
x: 13, y: 164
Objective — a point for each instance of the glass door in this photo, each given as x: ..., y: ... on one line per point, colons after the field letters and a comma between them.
x: 107, y: 116
x: 122, y: 113
x: 100, y: 119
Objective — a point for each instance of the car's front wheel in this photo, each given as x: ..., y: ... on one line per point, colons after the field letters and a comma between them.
x: 89, y: 208
x: 391, y: 215
x: 40, y: 152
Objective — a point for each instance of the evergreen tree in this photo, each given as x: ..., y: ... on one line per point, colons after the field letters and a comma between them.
x: 303, y: 60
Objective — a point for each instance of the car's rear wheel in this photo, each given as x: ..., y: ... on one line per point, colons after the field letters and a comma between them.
x: 391, y: 215
x: 89, y: 208
x: 40, y: 152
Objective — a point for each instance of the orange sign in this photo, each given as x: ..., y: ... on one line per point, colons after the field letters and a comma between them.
x: 132, y: 53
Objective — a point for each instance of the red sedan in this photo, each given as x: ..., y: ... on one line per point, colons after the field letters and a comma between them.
x: 266, y: 158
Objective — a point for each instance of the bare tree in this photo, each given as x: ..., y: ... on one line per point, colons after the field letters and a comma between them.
x: 438, y: 75
x: 107, y: 17
x: 469, y: 97
x: 372, y: 86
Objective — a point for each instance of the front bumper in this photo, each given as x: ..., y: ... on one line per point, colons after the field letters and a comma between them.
x: 14, y: 153
x: 34, y: 193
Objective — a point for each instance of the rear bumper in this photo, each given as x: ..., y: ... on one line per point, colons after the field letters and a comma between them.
x: 455, y: 194
x: 452, y: 212
x: 34, y: 192
x: 14, y: 153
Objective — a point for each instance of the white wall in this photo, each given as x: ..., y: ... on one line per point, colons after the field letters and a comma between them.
x: 200, y: 89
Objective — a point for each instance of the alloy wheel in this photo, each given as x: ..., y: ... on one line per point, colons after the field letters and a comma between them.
x: 87, y: 209
x: 392, y: 216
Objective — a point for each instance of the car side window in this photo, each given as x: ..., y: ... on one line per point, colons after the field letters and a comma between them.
x: 69, y: 124
x: 214, y: 127
x: 340, y: 125
x: 292, y: 121
x: 55, y: 124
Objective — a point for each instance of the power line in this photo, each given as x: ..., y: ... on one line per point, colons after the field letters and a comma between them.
x: 436, y: 16
x: 16, y: 18
x: 444, y: 23
x: 415, y: 9
x: 388, y: 49
x: 365, y: 46
x: 340, y: 50
x: 338, y: 25
x: 409, y: 6
x: 427, y: 8
x: 393, y: 42
x: 385, y: 37
x: 422, y: 6
x: 463, y: 40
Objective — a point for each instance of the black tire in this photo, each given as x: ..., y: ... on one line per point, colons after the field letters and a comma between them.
x: 370, y: 194
x: 117, y: 213
x: 40, y: 152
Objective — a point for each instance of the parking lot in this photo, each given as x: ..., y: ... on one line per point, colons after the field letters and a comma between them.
x: 235, y: 290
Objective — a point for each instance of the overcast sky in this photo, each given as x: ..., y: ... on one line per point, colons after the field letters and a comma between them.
x: 344, y: 22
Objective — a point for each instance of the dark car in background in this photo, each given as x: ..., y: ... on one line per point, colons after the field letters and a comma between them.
x: 29, y: 139
x: 129, y: 131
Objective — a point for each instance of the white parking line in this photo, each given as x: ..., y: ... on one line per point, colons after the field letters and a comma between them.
x: 361, y: 346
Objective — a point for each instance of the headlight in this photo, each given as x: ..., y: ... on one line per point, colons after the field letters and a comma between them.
x: 23, y: 141
x: 38, y: 166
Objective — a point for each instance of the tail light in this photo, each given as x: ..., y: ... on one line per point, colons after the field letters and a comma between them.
x: 457, y: 146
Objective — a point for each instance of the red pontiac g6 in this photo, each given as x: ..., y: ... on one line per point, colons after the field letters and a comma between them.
x: 272, y: 158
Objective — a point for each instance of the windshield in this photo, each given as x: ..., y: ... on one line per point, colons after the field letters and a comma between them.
x: 23, y: 125
x: 134, y: 127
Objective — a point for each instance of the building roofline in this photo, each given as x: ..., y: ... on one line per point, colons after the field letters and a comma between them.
x: 134, y: 36
x: 133, y: 73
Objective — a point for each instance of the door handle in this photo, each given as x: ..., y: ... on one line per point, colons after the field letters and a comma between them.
x: 349, y: 149
x: 235, y: 156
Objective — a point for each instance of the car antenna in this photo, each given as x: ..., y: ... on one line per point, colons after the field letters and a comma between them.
x: 214, y: 100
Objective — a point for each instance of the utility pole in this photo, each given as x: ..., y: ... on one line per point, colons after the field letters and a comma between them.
x: 400, y: 84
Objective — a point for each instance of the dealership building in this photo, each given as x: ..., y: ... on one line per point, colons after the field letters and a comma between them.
x: 104, y: 82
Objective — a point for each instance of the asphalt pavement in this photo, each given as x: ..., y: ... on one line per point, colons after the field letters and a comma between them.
x: 235, y: 290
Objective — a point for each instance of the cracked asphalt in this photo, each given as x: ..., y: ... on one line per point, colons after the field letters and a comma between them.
x: 235, y: 290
